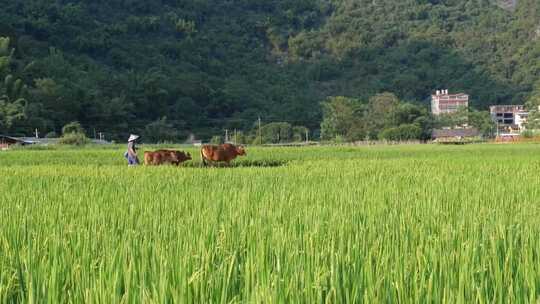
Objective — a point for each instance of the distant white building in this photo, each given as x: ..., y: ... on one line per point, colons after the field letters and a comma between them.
x: 509, y: 118
x: 521, y: 119
x: 444, y: 103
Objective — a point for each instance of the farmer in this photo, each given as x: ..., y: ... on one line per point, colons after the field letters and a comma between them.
x: 131, y: 154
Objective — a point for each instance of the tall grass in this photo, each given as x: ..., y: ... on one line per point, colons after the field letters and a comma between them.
x: 403, y: 224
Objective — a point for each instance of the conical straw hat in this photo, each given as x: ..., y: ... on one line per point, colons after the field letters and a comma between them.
x: 133, y: 137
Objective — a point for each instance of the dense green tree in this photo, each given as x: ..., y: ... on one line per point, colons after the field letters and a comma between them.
x: 276, y: 132
x: 74, y: 139
x: 73, y: 134
x: 533, y: 104
x: 411, y: 114
x: 384, y: 117
x: 12, y: 90
x: 160, y: 131
x: 117, y: 66
x: 382, y: 109
x: 73, y: 127
x: 460, y: 118
x: 300, y: 133
x: 403, y: 132
x: 482, y: 121
x: 342, y: 117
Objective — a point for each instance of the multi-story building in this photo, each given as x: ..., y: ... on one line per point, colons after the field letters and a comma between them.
x: 509, y: 118
x: 444, y: 103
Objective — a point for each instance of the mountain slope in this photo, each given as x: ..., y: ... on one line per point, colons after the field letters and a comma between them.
x: 507, y: 4
x: 119, y: 65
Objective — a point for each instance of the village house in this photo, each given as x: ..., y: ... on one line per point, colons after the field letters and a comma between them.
x: 455, y: 136
x: 7, y: 141
x: 444, y: 103
x: 509, y: 118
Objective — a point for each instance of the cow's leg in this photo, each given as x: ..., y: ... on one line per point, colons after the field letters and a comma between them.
x: 204, y: 163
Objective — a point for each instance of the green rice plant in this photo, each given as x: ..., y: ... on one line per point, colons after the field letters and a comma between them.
x: 391, y: 224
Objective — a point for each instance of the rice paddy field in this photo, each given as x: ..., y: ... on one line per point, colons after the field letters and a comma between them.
x: 379, y: 224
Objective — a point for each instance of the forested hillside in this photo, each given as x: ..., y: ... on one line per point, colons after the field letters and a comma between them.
x: 200, y: 66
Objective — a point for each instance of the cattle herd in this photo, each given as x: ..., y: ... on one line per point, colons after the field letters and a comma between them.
x: 210, y: 154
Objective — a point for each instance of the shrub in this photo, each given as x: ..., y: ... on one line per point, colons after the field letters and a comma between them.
x: 527, y: 134
x: 72, y: 127
x: 276, y: 132
x: 401, y: 133
x: 75, y: 139
x: 160, y: 131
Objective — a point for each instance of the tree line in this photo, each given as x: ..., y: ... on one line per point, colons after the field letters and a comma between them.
x: 385, y: 117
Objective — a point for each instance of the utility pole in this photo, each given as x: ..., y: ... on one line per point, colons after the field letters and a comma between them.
x: 260, y: 136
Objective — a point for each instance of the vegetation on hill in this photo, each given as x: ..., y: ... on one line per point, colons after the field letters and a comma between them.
x: 193, y: 66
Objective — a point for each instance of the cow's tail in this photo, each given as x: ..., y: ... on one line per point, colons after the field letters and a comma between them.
x: 204, y: 163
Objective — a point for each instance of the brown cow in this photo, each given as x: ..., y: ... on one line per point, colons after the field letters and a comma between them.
x: 161, y: 157
x: 221, y: 153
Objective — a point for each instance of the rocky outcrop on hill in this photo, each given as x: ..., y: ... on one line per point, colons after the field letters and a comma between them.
x: 507, y: 4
